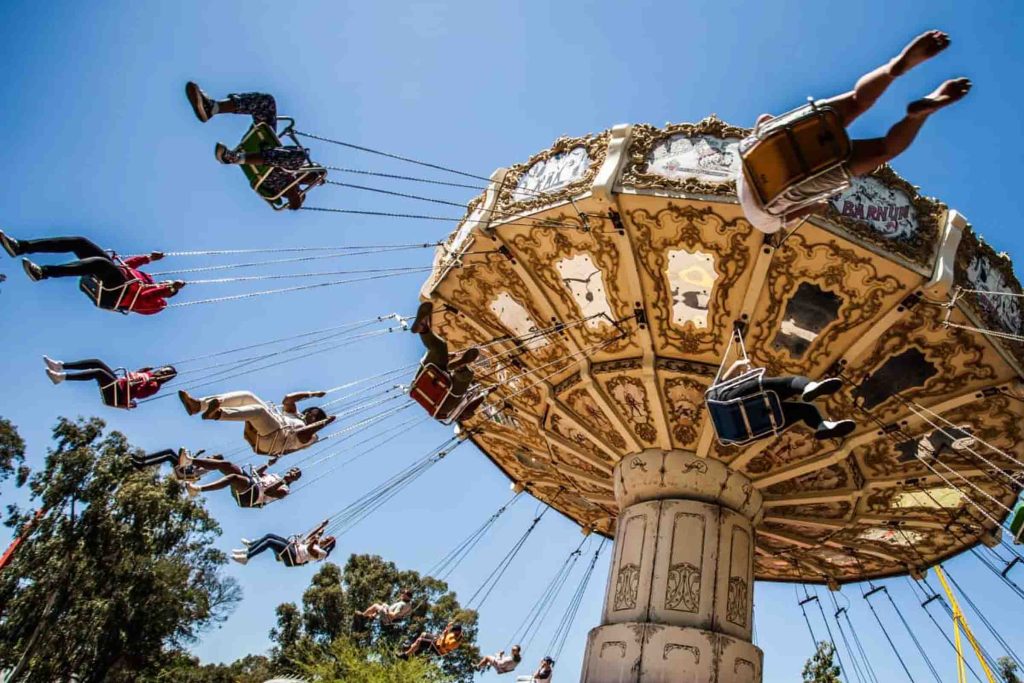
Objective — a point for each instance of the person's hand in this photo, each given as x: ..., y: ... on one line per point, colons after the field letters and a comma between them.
x: 272, y: 461
x: 156, y: 256
x: 330, y: 419
x: 318, y: 394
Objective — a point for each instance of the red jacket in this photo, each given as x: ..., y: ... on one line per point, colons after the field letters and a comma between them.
x: 136, y: 385
x: 142, y: 295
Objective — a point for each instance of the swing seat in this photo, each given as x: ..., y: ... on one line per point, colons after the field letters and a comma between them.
x: 94, y: 289
x: 740, y: 420
x: 272, y: 183
x: 1017, y: 523
x: 797, y: 159
x: 432, y: 389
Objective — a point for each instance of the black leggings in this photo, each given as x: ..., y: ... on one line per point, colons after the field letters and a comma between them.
x: 279, y: 544
x: 98, y: 371
x: 160, y: 457
x: 92, y: 260
x: 786, y: 388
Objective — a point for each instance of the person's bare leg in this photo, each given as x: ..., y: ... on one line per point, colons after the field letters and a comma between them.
x: 217, y: 465
x: 237, y: 482
x: 871, y: 85
x: 867, y: 155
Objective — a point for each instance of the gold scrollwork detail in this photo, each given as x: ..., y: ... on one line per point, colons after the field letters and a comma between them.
x: 596, y: 146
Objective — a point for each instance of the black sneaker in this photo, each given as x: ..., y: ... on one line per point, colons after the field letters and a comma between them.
x: 816, y: 390
x: 202, y: 105
x: 34, y: 272
x: 467, y: 357
x: 834, y: 430
x: 225, y: 155
x: 422, y: 320
x: 10, y: 244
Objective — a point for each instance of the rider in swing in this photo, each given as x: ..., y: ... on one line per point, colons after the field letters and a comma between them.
x: 865, y: 155
x: 123, y: 287
x: 262, y: 107
x: 458, y: 371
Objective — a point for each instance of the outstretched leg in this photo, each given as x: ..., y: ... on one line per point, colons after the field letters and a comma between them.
x: 261, y: 106
x: 871, y: 85
x: 268, y: 542
x: 868, y: 155
x: 158, y: 458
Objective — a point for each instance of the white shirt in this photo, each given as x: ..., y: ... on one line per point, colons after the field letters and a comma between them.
x: 503, y: 665
x: 397, y: 610
x: 264, y: 482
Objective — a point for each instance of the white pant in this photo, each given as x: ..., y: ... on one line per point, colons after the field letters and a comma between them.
x: 244, y: 406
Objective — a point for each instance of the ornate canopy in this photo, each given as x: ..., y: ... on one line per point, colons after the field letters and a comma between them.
x: 632, y: 239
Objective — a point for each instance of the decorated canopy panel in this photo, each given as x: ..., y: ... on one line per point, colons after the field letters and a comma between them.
x: 604, y: 277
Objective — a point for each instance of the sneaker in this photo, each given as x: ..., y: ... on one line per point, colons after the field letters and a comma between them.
x: 55, y: 365
x: 225, y: 155
x: 422, y: 321
x: 246, y: 542
x: 212, y: 411
x: 202, y: 105
x: 55, y: 377
x: 9, y: 244
x: 34, y: 272
x: 467, y: 357
x: 192, y: 406
x: 816, y: 390
x: 241, y: 557
x: 192, y: 489
x: 834, y: 430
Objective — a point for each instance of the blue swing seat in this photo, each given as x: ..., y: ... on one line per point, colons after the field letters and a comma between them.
x: 747, y: 418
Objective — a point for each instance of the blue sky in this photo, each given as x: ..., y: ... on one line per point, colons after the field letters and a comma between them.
x: 99, y: 140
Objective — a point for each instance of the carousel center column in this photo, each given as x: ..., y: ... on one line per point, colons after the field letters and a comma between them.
x: 679, y: 603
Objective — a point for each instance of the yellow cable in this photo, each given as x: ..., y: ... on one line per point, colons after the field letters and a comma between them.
x: 960, y: 622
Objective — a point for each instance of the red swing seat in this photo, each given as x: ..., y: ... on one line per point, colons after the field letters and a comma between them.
x: 432, y: 389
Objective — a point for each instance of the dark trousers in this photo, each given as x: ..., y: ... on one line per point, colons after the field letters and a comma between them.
x: 437, y: 354
x: 92, y: 260
x: 786, y: 388
x: 158, y: 458
x: 269, y: 542
x: 91, y: 369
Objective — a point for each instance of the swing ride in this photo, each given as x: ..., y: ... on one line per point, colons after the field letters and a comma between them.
x: 610, y: 286
x: 636, y: 231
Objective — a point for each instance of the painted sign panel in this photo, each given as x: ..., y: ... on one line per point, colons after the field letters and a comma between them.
x: 702, y: 156
x: 691, y: 275
x: 552, y: 174
x: 890, y: 212
x: 517, y: 320
x: 995, y: 294
x: 586, y: 283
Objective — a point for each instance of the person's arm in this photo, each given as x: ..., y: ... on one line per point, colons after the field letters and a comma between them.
x: 261, y: 469
x: 275, y: 490
x: 320, y: 529
x: 304, y: 433
x: 290, y: 401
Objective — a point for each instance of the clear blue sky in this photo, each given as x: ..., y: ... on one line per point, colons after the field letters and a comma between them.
x: 98, y: 139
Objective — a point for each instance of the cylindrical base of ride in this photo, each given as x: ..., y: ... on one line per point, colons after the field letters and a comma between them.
x: 679, y: 603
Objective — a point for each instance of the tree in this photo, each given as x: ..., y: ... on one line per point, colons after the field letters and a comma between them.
x: 821, y: 667
x: 347, y: 662
x: 12, y: 453
x: 186, y: 668
x: 1007, y: 669
x: 325, y: 620
x: 117, y: 572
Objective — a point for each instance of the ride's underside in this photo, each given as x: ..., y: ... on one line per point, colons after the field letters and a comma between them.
x: 632, y: 238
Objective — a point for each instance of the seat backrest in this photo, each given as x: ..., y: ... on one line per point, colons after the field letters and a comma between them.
x: 792, y: 149
x: 741, y: 420
x: 269, y: 182
x: 1017, y: 523
x: 431, y: 389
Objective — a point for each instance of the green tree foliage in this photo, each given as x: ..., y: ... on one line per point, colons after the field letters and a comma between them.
x: 821, y: 668
x: 1007, y: 669
x: 185, y: 668
x: 346, y: 662
x: 117, y: 572
x: 325, y: 620
x: 12, y: 453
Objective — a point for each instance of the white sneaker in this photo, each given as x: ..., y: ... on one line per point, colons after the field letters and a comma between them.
x: 240, y: 557
x: 246, y: 542
x: 55, y: 377
x: 825, y: 387
x: 55, y: 365
x: 192, y: 489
